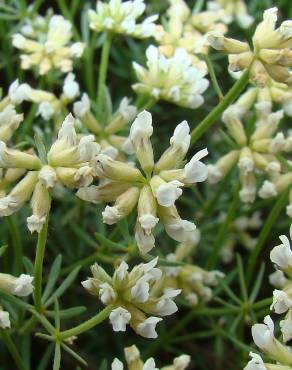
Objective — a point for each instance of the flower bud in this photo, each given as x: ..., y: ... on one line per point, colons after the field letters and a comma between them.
x: 17, y: 159
x: 40, y: 204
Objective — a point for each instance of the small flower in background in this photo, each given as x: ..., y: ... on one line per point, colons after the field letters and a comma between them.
x: 4, y: 319
x: 236, y: 10
x: 182, y: 30
x: 173, y: 79
x: 134, y: 361
x: 194, y: 282
x: 111, y: 142
x: 132, y: 296
x: 271, y: 55
x: 20, y: 286
x: 256, y: 363
x: 50, y: 49
x: 49, y: 105
x: 254, y: 154
x: 67, y: 162
x: 121, y: 18
x: 240, y: 233
x: 154, y: 189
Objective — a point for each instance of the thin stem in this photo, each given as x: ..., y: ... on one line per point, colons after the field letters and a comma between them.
x: 12, y: 349
x: 149, y: 104
x: 212, y: 76
x: 16, y: 242
x: 38, y: 265
x: 103, y: 68
x: 87, y: 325
x: 265, y: 232
x: 211, y: 118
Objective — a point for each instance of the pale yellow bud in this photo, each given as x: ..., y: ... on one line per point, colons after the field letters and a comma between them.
x: 227, y: 45
x: 40, y: 204
x: 133, y: 359
x: 122, y: 207
x: 105, y: 193
x: 11, y: 158
x: 104, y: 166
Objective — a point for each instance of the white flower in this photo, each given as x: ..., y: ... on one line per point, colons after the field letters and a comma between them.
x: 127, y: 111
x: 247, y: 194
x: 214, y: 174
x: 71, y: 87
x: 246, y: 164
x: 195, y: 170
x: 263, y: 334
x: 18, y: 92
x: 281, y: 255
x: 256, y: 362
x: 46, y: 110
x: 147, y: 327
x: 4, y: 319
x: 48, y: 176
x: 119, y: 318
x: 148, y: 222
x: 110, y: 215
x: 140, y: 291
x: 141, y: 127
x: 35, y: 223
x: 286, y: 326
x: 281, y: 301
x: 81, y: 107
x: 117, y: 365
x: 106, y: 293
x: 23, y: 286
x: 168, y: 193
x: 172, y: 79
x: 268, y: 190
x: 181, y: 137
x: 278, y: 279
x: 179, y: 229
x: 166, y: 306
x: 145, y: 239
x: 121, y: 17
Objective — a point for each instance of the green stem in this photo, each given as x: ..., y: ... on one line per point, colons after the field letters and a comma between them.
x: 103, y: 69
x: 212, y: 76
x: 149, y: 104
x: 211, y: 118
x: 38, y: 265
x: 87, y: 325
x: 16, y: 242
x: 12, y: 349
x: 265, y: 232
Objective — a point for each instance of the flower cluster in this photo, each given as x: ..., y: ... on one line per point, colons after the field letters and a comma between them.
x: 271, y: 55
x: 121, y: 17
x: 49, y: 105
x: 263, y: 334
x: 67, y: 162
x: 132, y: 296
x: 187, y: 31
x: 134, y: 361
x: 253, y: 154
x: 235, y: 10
x: 50, y: 49
x: 240, y: 233
x: 154, y: 191
x: 107, y: 134
x: 194, y: 282
x: 173, y: 79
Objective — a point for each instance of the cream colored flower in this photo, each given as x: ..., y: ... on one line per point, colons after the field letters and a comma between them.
x: 132, y: 296
x: 121, y: 17
x: 271, y: 55
x: 67, y: 162
x: 173, y: 79
x: 154, y: 189
x: 108, y: 133
x: 50, y: 49
x: 134, y: 361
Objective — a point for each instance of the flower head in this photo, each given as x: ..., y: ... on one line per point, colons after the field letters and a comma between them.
x: 50, y: 49
x: 173, y: 79
x: 153, y: 189
x: 121, y: 17
x: 270, y: 56
x: 132, y: 296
